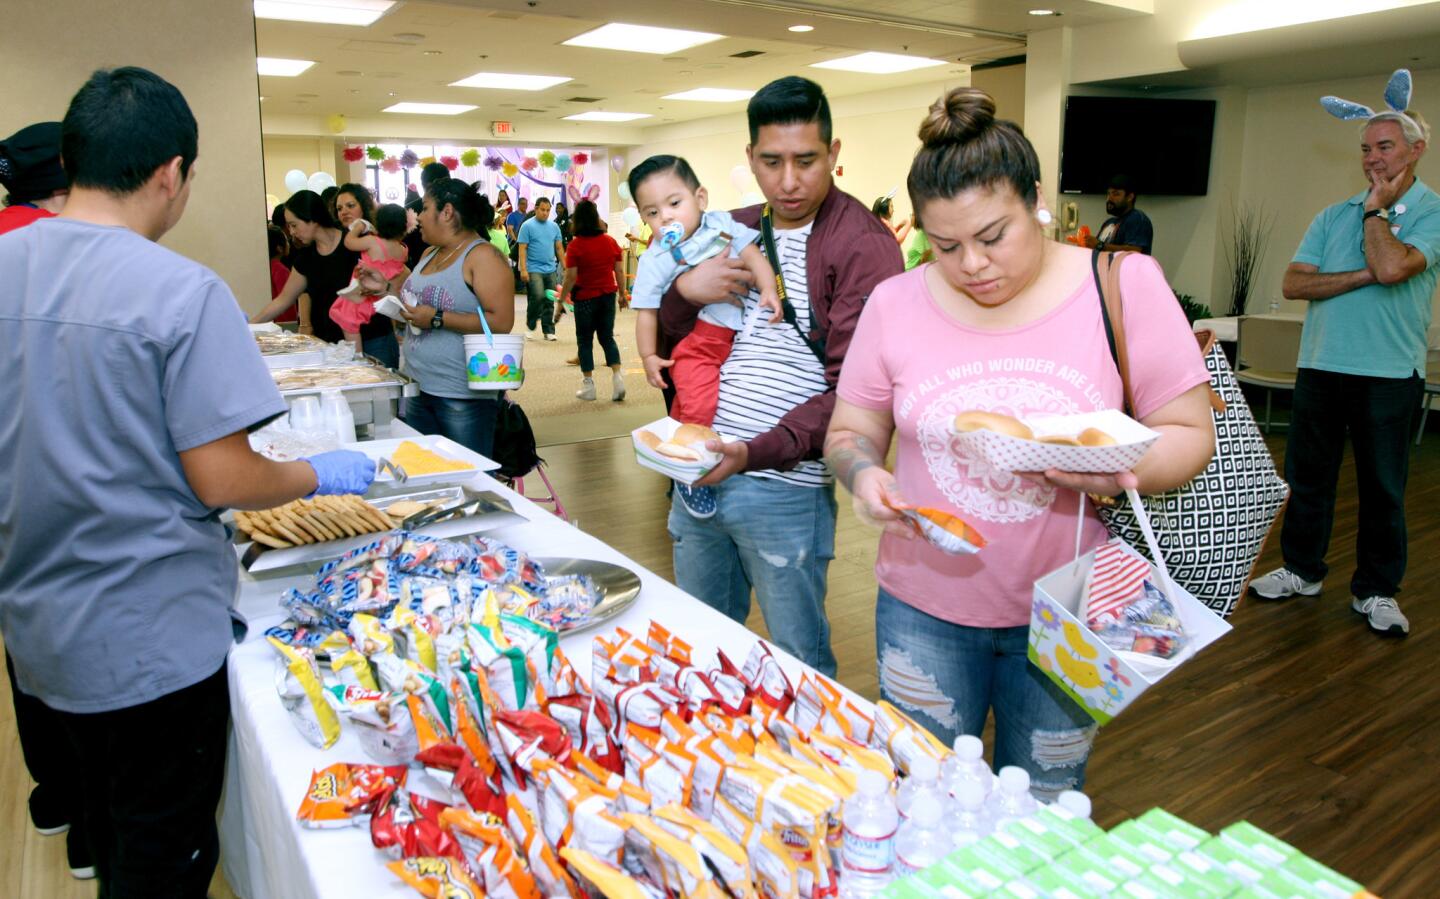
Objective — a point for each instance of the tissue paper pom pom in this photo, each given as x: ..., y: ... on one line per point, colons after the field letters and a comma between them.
x: 409, y: 159
x: 354, y: 154
x: 375, y: 153
x: 546, y: 158
x: 426, y: 160
x: 562, y: 163
x: 509, y: 169
x: 470, y: 157
x: 450, y: 162
x: 580, y: 158
x: 529, y: 164
x: 494, y: 163
x: 390, y: 164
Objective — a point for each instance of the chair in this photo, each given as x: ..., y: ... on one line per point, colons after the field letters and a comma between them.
x: 1266, y: 353
x: 552, y: 499
x: 1432, y: 390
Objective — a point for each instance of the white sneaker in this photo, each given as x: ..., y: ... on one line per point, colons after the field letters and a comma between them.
x: 1283, y: 583
x: 532, y: 334
x: 551, y: 337
x: 617, y: 387
x: 587, y: 390
x: 1384, y: 615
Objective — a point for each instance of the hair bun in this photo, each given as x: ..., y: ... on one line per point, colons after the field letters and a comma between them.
x: 957, y: 117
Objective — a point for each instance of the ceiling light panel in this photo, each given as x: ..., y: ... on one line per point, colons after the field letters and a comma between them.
x: 598, y: 116
x: 430, y: 108
x: 509, y: 82
x: 801, y: 29
x: 330, y: 12
x: 711, y: 95
x: 284, y: 68
x: 642, y: 39
x: 879, y: 63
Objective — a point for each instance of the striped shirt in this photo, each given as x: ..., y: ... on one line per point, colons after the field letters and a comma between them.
x: 772, y: 370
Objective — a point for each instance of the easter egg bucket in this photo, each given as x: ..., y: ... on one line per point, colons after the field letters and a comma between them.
x: 494, y: 361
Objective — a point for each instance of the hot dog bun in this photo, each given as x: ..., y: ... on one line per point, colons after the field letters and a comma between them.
x: 1095, y: 437
x: 650, y: 439
x: 975, y: 420
x: 1060, y: 440
x: 693, y: 435
x: 676, y: 451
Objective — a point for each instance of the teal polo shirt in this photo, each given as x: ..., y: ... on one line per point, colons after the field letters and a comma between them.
x: 1374, y: 330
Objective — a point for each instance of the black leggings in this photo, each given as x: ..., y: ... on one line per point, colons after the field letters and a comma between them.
x: 596, y: 317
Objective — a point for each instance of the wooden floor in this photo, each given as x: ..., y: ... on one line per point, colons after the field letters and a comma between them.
x: 1300, y: 721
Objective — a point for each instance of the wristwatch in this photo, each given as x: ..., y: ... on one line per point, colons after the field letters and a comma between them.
x: 438, y: 321
x: 1380, y: 214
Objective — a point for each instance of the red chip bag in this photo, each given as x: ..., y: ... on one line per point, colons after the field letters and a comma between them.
x: 344, y: 795
x: 589, y: 724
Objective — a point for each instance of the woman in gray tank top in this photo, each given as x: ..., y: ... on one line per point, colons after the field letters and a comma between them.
x: 461, y: 278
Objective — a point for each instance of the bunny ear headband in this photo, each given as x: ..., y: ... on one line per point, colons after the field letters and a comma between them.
x: 1397, y: 98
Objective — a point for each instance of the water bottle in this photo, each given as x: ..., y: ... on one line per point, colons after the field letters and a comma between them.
x: 868, y: 848
x: 968, y: 821
x: 337, y: 417
x: 1011, y: 799
x: 922, y: 840
x: 924, y: 779
x: 967, y: 765
x: 1074, y: 802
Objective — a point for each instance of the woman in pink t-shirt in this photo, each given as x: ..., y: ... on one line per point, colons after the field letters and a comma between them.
x: 1003, y: 321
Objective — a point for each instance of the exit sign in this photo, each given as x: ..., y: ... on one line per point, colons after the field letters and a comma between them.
x: 502, y: 129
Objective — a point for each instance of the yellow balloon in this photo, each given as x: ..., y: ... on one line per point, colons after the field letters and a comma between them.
x: 335, y: 122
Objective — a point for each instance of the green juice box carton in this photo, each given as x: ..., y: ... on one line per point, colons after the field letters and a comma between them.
x: 1209, y: 874
x: 1020, y: 889
x: 917, y: 887
x: 1058, y: 880
x: 1267, y: 851
x: 1177, y: 833
x: 1142, y: 840
x: 1095, y: 871
x: 1035, y: 834
x: 971, y: 868
x: 1072, y: 827
x: 1152, y: 886
x: 1319, y: 880
x: 1118, y: 857
x: 1021, y: 855
x: 1236, y: 861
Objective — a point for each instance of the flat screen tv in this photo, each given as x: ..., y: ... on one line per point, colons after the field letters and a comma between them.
x: 1162, y: 145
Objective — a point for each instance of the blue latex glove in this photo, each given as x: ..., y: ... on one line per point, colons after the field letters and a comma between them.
x: 342, y: 471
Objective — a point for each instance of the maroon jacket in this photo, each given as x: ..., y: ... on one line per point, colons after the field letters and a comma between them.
x: 848, y: 253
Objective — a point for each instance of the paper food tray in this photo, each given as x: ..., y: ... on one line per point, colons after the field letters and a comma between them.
x: 675, y: 469
x: 1005, y: 453
x: 497, y: 513
x: 435, y: 443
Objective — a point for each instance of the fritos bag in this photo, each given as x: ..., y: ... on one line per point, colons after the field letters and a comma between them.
x: 439, y: 878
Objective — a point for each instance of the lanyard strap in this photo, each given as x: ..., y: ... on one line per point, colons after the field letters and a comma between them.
x: 767, y: 231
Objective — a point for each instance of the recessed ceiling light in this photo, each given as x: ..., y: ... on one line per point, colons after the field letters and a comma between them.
x: 642, y: 38
x: 711, y: 95
x: 801, y: 29
x: 596, y: 115
x: 430, y: 108
x: 409, y: 36
x: 1043, y: 12
x: 879, y: 63
x: 509, y: 82
x: 330, y: 12
x: 284, y: 68
x: 430, y: 52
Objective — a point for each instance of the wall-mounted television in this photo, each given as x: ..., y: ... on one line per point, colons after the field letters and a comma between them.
x: 1163, y: 145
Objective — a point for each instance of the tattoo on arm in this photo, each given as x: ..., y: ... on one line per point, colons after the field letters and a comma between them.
x: 851, y: 456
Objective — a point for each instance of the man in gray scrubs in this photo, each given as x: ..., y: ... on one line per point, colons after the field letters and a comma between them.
x: 132, y: 381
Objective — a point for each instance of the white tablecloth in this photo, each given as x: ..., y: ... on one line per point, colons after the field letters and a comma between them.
x: 264, y: 853
x: 1227, y: 328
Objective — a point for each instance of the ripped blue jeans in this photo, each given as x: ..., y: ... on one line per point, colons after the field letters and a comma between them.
x: 775, y: 537
x: 949, y: 676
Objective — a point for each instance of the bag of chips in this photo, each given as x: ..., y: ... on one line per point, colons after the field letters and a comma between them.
x: 603, y: 879
x: 344, y: 795
x: 899, y: 735
x: 439, y: 878
x: 297, y: 680
x: 490, y: 854
x: 724, y: 855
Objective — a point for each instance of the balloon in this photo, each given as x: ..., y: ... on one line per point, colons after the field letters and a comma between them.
x: 740, y: 177
x: 617, y: 163
x: 624, y: 191
x: 271, y: 201
x: 319, y: 181
x: 295, y: 180
x: 631, y: 215
x: 335, y: 122
x: 751, y: 198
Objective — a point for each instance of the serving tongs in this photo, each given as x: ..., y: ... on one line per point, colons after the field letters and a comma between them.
x: 471, y: 504
x: 396, y: 472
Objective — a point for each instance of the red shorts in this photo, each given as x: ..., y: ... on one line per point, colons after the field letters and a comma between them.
x: 696, y: 372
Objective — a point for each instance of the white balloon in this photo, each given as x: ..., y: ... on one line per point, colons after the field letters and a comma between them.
x: 631, y: 215
x: 294, y: 180
x: 751, y: 198
x: 740, y: 177
x: 624, y: 191
x: 320, y: 181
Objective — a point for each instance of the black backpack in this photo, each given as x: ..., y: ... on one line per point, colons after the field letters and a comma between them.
x: 514, y: 441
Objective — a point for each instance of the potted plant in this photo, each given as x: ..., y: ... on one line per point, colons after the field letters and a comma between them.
x: 1245, y: 250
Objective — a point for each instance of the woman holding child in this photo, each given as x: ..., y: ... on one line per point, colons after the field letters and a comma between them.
x: 1003, y: 321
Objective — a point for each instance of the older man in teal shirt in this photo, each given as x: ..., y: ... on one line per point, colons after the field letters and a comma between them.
x: 1368, y: 267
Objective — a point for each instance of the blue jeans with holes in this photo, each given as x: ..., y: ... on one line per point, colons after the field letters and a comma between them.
x: 949, y: 676
x: 775, y: 537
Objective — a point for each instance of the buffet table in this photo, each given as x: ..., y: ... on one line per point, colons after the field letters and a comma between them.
x: 265, y: 854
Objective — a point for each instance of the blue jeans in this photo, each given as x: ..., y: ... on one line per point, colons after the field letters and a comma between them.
x: 949, y: 676
x: 775, y: 537
x: 538, y: 307
x: 383, y: 347
x: 470, y: 423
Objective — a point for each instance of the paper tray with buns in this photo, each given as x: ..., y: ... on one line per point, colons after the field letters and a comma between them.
x: 654, y: 449
x: 1005, y: 452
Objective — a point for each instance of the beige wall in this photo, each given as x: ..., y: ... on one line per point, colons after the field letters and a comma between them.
x: 877, y: 134
x: 51, y: 47
x: 1007, y: 85
x: 309, y: 154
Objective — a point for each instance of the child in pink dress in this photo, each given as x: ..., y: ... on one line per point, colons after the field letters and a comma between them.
x: 382, y: 263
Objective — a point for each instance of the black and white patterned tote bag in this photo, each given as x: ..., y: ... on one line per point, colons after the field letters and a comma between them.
x: 1212, y: 529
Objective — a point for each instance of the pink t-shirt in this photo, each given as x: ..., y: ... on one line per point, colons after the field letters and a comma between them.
x: 911, y: 358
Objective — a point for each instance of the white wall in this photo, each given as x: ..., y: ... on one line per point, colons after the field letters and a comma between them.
x: 51, y: 47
